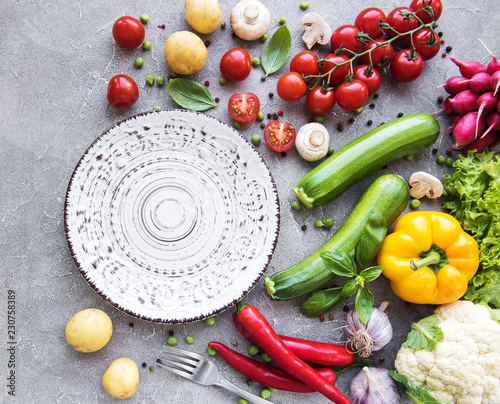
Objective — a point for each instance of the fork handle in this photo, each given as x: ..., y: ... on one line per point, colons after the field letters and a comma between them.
x: 242, y: 393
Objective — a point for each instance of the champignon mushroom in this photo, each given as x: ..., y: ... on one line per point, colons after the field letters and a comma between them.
x: 312, y: 141
x: 424, y: 184
x: 250, y: 19
x: 317, y: 30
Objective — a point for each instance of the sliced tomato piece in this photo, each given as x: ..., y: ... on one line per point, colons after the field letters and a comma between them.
x: 244, y: 108
x: 280, y: 136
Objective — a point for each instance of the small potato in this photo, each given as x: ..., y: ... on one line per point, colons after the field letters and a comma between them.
x: 89, y: 330
x: 185, y: 53
x: 204, y: 16
x: 121, y: 379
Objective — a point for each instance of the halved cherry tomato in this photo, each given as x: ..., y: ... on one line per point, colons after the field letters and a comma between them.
x: 345, y: 36
x: 319, y: 102
x: 235, y: 64
x: 306, y: 63
x: 279, y: 136
x: 122, y: 91
x: 401, y: 20
x: 381, y: 56
x: 368, y: 19
x: 426, y: 43
x: 291, y: 86
x: 371, y: 77
x: 338, y: 75
x: 352, y: 95
x: 418, y: 6
x: 407, y: 65
x: 244, y: 108
x: 128, y: 32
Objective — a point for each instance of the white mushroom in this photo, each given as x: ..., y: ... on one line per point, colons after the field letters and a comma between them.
x: 424, y: 184
x: 250, y: 19
x: 317, y: 30
x: 312, y: 141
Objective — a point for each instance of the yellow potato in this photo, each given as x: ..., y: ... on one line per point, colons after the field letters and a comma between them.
x: 185, y: 53
x: 204, y: 16
x: 121, y: 379
x: 89, y: 330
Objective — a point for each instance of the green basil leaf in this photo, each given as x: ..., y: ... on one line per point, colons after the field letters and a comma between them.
x: 350, y: 288
x: 371, y: 273
x: 364, y: 304
x: 425, y: 334
x: 190, y: 94
x: 340, y: 263
x: 322, y: 301
x: 371, y: 238
x: 276, y: 50
x: 413, y: 392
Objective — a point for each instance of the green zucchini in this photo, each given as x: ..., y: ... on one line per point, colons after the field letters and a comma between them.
x: 388, y: 193
x: 369, y: 152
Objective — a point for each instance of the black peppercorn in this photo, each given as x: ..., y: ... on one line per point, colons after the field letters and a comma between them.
x: 449, y: 49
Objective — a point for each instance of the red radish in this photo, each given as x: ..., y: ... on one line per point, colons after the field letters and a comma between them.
x: 467, y: 129
x: 481, y: 143
x: 455, y: 121
x: 468, y: 69
x: 455, y: 84
x: 447, y: 108
x: 494, y: 65
x: 480, y: 82
x: 495, y: 81
x: 487, y: 101
x: 493, y: 122
x: 465, y: 101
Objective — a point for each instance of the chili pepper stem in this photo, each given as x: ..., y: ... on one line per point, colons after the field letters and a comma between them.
x: 432, y: 258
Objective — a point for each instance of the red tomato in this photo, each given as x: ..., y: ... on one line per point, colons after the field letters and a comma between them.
x: 418, y: 6
x: 244, y: 108
x: 128, y: 32
x: 291, y: 86
x: 371, y: 77
x: 406, y: 66
x: 279, y: 136
x: 305, y: 63
x: 319, y: 102
x: 368, y: 19
x: 338, y: 75
x: 345, y: 36
x: 401, y: 21
x: 235, y: 64
x: 426, y: 43
x: 352, y: 95
x: 122, y: 91
x: 380, y: 57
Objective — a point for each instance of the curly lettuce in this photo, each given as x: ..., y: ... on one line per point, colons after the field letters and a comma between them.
x: 474, y: 191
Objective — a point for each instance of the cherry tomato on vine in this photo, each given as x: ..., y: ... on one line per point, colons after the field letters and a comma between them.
x: 401, y: 20
x: 426, y: 43
x: 306, y: 63
x: 407, y: 65
x: 352, y: 95
x: 122, y: 91
x: 345, y: 36
x: 371, y: 77
x: 280, y: 136
x: 338, y: 75
x: 368, y: 19
x: 319, y: 102
x: 380, y: 56
x: 291, y: 86
x: 418, y: 6
x: 235, y: 64
x: 244, y: 108
x: 128, y: 32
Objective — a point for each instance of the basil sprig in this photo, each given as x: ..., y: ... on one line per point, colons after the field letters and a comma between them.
x: 190, y: 94
x: 342, y: 264
x: 276, y: 50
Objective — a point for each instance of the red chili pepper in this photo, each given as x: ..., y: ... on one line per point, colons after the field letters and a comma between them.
x: 265, y: 374
x: 321, y: 353
x: 264, y: 336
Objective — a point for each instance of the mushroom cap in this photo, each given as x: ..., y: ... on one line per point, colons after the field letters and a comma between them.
x: 316, y: 30
x: 425, y: 184
x: 312, y: 141
x: 250, y: 19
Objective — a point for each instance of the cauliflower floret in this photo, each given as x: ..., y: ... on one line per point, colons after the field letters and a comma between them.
x: 465, y: 366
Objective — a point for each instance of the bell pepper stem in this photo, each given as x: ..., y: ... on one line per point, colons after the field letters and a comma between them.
x: 432, y: 258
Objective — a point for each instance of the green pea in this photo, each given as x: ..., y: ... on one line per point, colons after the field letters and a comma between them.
x: 271, y: 389
x: 304, y: 5
x: 261, y: 116
x: 171, y: 340
x: 210, y: 321
x: 415, y: 204
x: 265, y: 393
x: 282, y: 20
x: 211, y: 351
x: 139, y: 62
x: 296, y: 205
x: 160, y: 80
x: 409, y: 157
x: 328, y: 222
x: 189, y: 339
x: 222, y: 80
x: 236, y: 125
x: 441, y: 159
x: 331, y: 150
x: 174, y: 75
x: 156, y: 108
x: 358, y: 111
x: 263, y: 38
x: 255, y: 61
x: 253, y: 349
x: 265, y: 357
x: 146, y: 45
x: 242, y: 401
x: 256, y: 139
x: 450, y: 161
x: 319, y: 223
x: 144, y: 18
x: 318, y: 118
x: 150, y: 80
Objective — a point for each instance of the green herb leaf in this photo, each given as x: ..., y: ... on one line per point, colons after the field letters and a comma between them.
x: 322, y: 301
x: 190, y: 94
x: 340, y: 263
x: 425, y: 334
x: 276, y: 50
x: 371, y: 239
x: 415, y: 393
x: 364, y: 304
x: 372, y: 273
x: 350, y: 288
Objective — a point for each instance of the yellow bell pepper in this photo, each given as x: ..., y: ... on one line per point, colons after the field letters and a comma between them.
x: 429, y: 258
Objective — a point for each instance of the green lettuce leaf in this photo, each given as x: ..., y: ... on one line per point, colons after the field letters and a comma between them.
x: 425, y: 334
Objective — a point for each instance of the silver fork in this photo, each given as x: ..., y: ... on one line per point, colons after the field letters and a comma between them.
x: 202, y: 371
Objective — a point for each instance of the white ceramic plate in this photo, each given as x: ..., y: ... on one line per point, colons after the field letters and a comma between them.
x: 172, y: 216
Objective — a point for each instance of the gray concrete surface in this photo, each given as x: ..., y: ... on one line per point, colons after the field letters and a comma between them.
x: 57, y: 58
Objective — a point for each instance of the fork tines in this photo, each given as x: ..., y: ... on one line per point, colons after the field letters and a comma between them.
x: 181, y: 362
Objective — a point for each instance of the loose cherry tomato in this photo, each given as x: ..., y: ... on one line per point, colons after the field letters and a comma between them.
x: 345, y: 36
x: 235, y: 64
x: 338, y: 75
x: 122, y: 91
x: 306, y: 63
x: 291, y: 86
x: 319, y: 102
x: 128, y: 32
x: 401, y: 20
x: 244, y: 108
x: 371, y: 77
x: 279, y: 136
x: 426, y: 43
x: 418, y: 6
x: 407, y: 65
x: 368, y: 20
x: 352, y: 95
x: 381, y: 56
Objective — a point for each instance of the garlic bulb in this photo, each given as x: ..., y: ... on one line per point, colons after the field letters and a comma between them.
x: 374, y: 386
